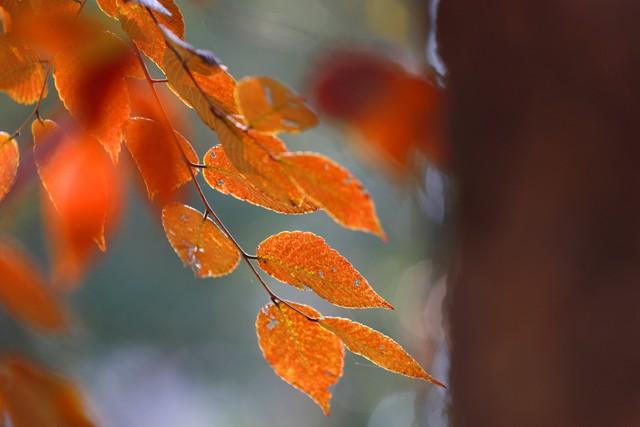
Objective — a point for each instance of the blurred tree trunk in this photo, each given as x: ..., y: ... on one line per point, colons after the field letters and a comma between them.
x: 545, y: 299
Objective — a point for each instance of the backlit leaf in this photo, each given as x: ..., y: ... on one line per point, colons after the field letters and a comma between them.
x: 198, y: 242
x: 9, y: 160
x: 85, y: 190
x: 154, y: 5
x: 222, y: 175
x: 22, y: 75
x: 110, y: 7
x: 35, y: 397
x: 300, y: 351
x: 91, y: 83
x: 376, y: 347
x: 159, y: 160
x: 24, y: 292
x: 138, y: 22
x: 255, y: 156
x: 304, y: 260
x: 333, y: 188
x: 269, y: 106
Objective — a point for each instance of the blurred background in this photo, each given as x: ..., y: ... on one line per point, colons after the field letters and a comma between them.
x: 152, y: 346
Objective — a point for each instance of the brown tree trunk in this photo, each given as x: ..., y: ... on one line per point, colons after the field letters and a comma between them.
x: 545, y: 124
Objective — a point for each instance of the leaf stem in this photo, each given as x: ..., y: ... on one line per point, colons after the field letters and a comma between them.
x: 36, y: 110
x: 208, y: 209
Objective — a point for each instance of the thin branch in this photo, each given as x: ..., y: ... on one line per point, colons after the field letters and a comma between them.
x: 36, y: 110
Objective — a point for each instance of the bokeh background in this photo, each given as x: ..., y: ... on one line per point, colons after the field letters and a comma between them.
x: 152, y: 346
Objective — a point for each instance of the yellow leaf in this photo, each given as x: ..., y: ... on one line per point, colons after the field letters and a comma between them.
x: 9, y: 161
x: 304, y: 260
x: 269, y: 106
x: 198, y: 242
x: 376, y: 347
x: 334, y: 189
x: 300, y: 351
x: 22, y: 75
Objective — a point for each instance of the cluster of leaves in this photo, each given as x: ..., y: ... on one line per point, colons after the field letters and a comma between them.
x: 96, y: 76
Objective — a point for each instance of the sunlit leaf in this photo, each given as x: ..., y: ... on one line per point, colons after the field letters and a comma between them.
x: 300, y: 351
x: 222, y: 175
x: 24, y: 292
x: 85, y: 191
x: 304, y: 260
x: 34, y: 397
x: 142, y: 26
x: 198, y: 242
x: 22, y: 75
x: 159, y: 159
x: 333, y: 188
x: 91, y: 83
x: 154, y: 5
x: 109, y: 7
x: 9, y: 160
x: 269, y: 106
x: 376, y: 347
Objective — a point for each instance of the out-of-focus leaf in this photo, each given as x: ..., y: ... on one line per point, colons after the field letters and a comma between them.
x: 34, y: 397
x: 376, y: 347
x: 269, y: 106
x: 24, y: 292
x: 9, y: 161
x: 91, y: 83
x: 198, y: 242
x: 85, y: 190
x: 300, y: 351
x: 305, y: 260
x: 159, y: 160
x: 335, y: 190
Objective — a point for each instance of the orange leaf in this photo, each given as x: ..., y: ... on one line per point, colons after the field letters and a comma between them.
x: 159, y: 160
x: 9, y: 160
x: 85, y: 191
x: 199, y: 79
x: 198, y: 242
x: 22, y: 75
x: 34, y: 397
x: 138, y: 22
x: 254, y: 155
x: 376, y: 347
x: 24, y: 293
x: 304, y: 260
x: 333, y: 188
x: 300, y: 351
x: 224, y: 177
x: 109, y: 7
x: 91, y: 83
x: 269, y: 106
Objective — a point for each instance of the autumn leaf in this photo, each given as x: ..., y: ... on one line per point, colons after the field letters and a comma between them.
x: 91, y: 84
x: 334, y: 189
x: 223, y: 176
x: 85, y: 191
x: 9, y: 160
x: 198, y: 242
x: 395, y: 113
x: 35, y: 397
x: 109, y: 7
x: 304, y: 260
x: 376, y: 347
x: 24, y: 292
x: 159, y: 160
x: 142, y: 25
x: 269, y: 106
x: 300, y: 351
x: 22, y: 75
